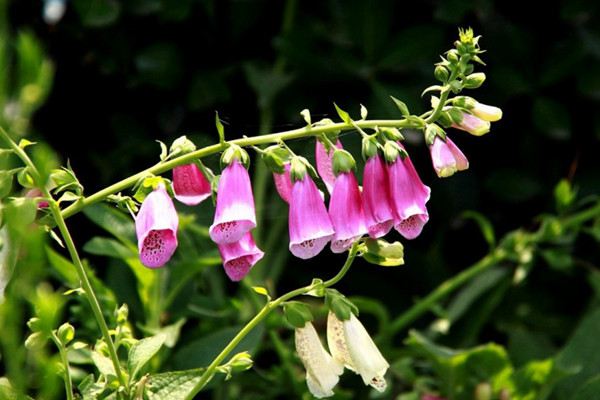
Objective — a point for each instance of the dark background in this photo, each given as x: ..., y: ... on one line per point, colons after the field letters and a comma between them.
x: 130, y: 73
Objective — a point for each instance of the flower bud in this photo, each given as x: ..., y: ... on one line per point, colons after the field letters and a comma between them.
x: 441, y: 73
x: 487, y: 113
x: 241, y: 362
x: 472, y: 124
x: 66, y: 333
x: 452, y: 56
x: 474, y: 81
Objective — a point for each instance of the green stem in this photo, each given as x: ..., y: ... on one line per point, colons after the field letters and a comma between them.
x: 62, y: 227
x: 443, y: 290
x: 162, y: 167
x: 266, y: 310
x: 443, y: 97
x: 65, y: 361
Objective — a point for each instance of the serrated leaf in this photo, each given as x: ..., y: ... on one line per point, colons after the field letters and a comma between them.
x: 174, y: 385
x: 306, y: 115
x: 142, y: 351
x: 401, y: 106
x: 343, y: 114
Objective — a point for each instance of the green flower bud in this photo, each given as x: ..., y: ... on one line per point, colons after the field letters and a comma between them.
x: 441, y: 73
x: 474, y: 81
x: 66, y: 333
x: 35, y: 324
x: 35, y: 341
x: 452, y: 56
x: 122, y: 314
x: 342, y: 162
x: 240, y: 362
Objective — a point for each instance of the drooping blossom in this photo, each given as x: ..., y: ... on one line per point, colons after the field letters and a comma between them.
x: 189, y: 184
x: 283, y: 183
x: 310, y: 227
x: 376, y: 201
x: 235, y: 214
x: 472, y: 124
x: 346, y: 212
x: 351, y: 346
x: 324, y: 160
x: 156, y: 227
x: 446, y: 157
x: 408, y: 197
x: 35, y: 192
x: 239, y: 257
x: 322, y: 371
x: 486, y: 112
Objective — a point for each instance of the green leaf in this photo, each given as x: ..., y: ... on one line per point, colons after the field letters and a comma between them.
x: 589, y: 391
x: 108, y: 247
x: 306, y: 115
x: 6, y: 180
x: 25, y: 143
x: 164, y: 152
x: 343, y: 114
x: 220, y: 128
x: 174, y: 385
x: 97, y: 13
x: 113, y: 221
x: 401, y: 106
x: 103, y: 363
x: 297, y: 313
x: 65, y: 268
x: 142, y: 351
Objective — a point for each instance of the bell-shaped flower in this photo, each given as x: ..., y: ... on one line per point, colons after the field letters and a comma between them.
x: 156, y: 228
x: 486, y: 112
x: 189, y: 184
x: 408, y: 197
x: 447, y: 157
x: 346, y: 212
x: 322, y: 371
x: 351, y: 346
x: 309, y: 223
x: 472, y: 124
x: 283, y: 183
x: 239, y: 257
x: 235, y: 214
x: 376, y: 201
x: 324, y: 160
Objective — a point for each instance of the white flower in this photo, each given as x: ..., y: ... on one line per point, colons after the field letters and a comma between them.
x: 351, y: 345
x: 322, y: 371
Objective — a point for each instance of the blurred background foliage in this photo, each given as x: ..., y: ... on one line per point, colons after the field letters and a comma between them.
x: 129, y: 73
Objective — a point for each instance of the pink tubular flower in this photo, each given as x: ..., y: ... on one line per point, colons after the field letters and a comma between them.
x: 447, y: 158
x: 309, y: 224
x: 234, y: 214
x: 324, y: 160
x: 408, y: 196
x: 346, y: 212
x: 190, y: 185
x: 283, y: 183
x: 156, y: 228
x: 239, y: 257
x: 472, y: 124
x: 376, y: 198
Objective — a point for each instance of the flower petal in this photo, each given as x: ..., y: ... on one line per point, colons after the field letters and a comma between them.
x: 190, y: 185
x: 346, y: 212
x: 239, y: 257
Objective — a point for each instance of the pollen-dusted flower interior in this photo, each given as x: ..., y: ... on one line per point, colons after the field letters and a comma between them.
x: 158, y: 248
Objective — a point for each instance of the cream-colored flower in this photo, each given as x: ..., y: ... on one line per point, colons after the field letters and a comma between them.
x: 351, y: 345
x: 322, y: 371
x: 487, y: 113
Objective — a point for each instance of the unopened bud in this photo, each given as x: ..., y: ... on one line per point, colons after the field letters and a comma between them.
x: 453, y: 56
x: 241, y: 362
x: 122, y: 314
x: 441, y: 73
x: 474, y: 81
x: 66, y: 333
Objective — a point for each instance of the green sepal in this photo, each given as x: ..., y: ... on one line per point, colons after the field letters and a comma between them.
x: 392, y: 150
x: 431, y: 131
x: 343, y: 114
x: 401, y: 106
x: 220, y: 128
x: 464, y: 102
x: 339, y: 305
x: 391, y: 134
x: 306, y: 115
x: 25, y: 179
x: 275, y: 157
x: 381, y: 252
x: 181, y: 145
x: 147, y: 185
x: 234, y: 153
x: 342, y: 162
x: 297, y: 313
x: 299, y: 167
x: 369, y: 148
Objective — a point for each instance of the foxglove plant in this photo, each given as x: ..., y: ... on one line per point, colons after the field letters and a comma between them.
x: 234, y: 214
x: 189, y: 185
x: 322, y: 371
x: 283, y: 183
x: 408, y: 194
x: 345, y: 206
x: 472, y: 124
x: 156, y: 227
x: 239, y: 257
x: 310, y: 227
x: 351, y: 346
x: 324, y: 160
x: 446, y: 157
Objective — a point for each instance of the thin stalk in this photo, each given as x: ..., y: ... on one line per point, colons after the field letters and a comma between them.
x: 165, y: 166
x: 63, y: 358
x: 64, y: 231
x: 270, y: 306
x: 443, y: 290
